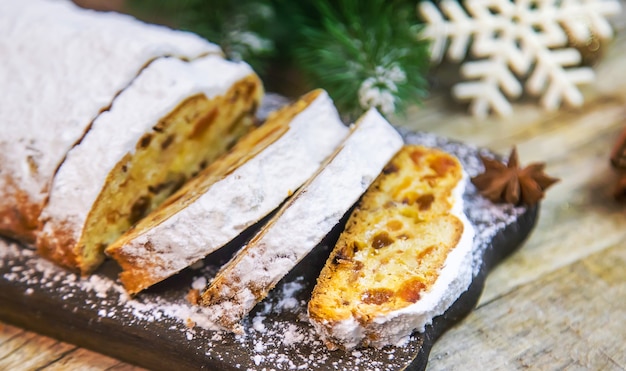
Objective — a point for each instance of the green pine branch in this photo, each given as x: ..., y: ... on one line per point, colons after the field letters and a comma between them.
x: 364, y: 53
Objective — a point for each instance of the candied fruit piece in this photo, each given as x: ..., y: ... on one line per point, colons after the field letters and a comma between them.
x: 410, y: 291
x: 442, y: 164
x: 381, y: 239
x: 425, y: 201
x: 376, y: 296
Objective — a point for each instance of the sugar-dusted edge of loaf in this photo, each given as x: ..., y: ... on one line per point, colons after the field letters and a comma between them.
x: 235, y: 202
x: 396, y: 327
x: 63, y: 65
x: 302, y: 222
x: 159, y: 90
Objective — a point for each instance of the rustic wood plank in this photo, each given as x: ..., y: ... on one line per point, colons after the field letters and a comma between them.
x: 573, y: 318
x: 7, y: 332
x: 579, y: 217
x: 124, y: 367
x: 85, y: 360
x: 25, y: 352
x: 13, y: 343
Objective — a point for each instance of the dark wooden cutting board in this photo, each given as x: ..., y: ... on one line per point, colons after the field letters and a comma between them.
x: 159, y: 330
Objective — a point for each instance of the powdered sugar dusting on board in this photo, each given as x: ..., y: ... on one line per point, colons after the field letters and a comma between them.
x: 278, y: 335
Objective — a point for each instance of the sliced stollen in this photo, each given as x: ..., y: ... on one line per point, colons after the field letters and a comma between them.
x: 254, y: 178
x: 302, y: 222
x: 63, y: 65
x: 172, y: 121
x: 404, y: 257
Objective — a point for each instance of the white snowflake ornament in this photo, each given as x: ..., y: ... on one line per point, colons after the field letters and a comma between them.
x: 513, y: 40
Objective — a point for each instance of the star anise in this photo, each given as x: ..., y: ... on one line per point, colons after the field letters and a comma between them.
x: 618, y: 153
x: 620, y: 188
x: 618, y: 161
x: 509, y: 183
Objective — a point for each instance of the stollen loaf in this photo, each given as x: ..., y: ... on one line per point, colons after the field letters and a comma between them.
x: 63, y: 66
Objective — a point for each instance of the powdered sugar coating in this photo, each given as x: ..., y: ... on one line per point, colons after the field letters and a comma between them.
x: 157, y: 91
x: 64, y: 65
x: 271, y: 321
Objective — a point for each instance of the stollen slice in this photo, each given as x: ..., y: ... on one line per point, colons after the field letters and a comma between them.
x: 172, y: 121
x: 404, y: 257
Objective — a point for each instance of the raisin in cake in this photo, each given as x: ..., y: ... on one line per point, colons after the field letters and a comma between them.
x: 403, y: 258
x: 63, y: 66
x: 255, y: 177
x: 302, y: 222
x: 174, y: 119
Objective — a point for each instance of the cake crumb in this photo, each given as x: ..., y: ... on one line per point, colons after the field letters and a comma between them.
x: 193, y: 296
x: 190, y: 323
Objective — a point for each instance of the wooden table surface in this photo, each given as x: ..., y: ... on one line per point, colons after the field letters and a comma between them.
x: 560, y: 301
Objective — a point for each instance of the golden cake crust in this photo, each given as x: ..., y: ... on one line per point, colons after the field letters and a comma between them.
x: 18, y: 213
